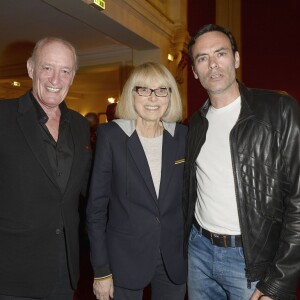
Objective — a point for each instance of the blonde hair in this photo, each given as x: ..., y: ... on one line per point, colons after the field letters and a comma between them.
x: 142, y: 75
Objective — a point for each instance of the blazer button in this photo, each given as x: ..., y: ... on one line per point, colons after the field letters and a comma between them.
x: 58, y: 231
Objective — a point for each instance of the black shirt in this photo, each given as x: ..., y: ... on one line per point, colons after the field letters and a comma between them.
x: 60, y: 153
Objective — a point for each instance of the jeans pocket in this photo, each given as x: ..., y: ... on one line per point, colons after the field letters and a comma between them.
x: 241, y: 252
x: 193, y: 234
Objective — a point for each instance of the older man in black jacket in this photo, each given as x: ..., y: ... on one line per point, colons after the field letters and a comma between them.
x: 45, y: 157
x: 242, y: 189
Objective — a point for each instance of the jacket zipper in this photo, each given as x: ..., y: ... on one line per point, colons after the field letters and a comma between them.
x: 243, y: 227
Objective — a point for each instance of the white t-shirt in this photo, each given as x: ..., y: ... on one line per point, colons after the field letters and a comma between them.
x: 216, y: 206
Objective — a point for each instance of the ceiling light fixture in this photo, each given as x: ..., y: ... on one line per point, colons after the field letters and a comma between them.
x: 170, y: 57
x: 16, y: 83
x: 111, y: 100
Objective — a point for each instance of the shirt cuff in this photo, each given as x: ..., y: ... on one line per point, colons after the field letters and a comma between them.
x: 103, y: 278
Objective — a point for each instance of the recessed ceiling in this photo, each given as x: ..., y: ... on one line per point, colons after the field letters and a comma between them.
x: 23, y: 22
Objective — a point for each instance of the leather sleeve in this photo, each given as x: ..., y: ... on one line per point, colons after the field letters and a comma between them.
x: 283, y: 275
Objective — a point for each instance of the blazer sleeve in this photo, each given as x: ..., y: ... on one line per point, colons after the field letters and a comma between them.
x: 97, y: 207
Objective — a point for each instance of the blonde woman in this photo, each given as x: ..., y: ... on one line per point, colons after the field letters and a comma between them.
x: 134, y: 212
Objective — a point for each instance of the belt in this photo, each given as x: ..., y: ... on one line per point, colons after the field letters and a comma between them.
x: 220, y: 240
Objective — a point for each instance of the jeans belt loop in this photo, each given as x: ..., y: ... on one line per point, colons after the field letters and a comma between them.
x: 232, y: 241
x: 225, y: 241
x: 211, y: 239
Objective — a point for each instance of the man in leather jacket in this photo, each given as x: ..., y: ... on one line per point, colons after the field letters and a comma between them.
x: 242, y: 182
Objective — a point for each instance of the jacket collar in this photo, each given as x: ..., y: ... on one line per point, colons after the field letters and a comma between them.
x: 246, y: 100
x: 28, y: 101
x: 128, y: 126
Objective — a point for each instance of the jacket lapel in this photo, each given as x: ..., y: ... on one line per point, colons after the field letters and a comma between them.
x: 78, y: 151
x: 169, y: 150
x: 138, y: 155
x: 31, y: 131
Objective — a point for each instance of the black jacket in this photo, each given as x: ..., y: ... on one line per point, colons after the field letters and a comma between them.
x: 32, y: 205
x: 265, y: 151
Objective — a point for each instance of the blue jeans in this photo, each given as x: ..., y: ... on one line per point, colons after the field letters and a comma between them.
x: 215, y: 273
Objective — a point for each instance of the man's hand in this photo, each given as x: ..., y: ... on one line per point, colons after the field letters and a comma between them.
x: 103, y: 289
x: 257, y: 295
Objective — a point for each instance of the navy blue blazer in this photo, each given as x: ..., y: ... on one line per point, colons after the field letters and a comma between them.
x: 127, y: 223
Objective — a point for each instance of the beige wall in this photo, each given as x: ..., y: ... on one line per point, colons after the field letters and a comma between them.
x: 141, y: 30
x: 164, y: 25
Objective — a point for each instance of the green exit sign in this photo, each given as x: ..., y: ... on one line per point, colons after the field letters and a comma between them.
x: 99, y: 4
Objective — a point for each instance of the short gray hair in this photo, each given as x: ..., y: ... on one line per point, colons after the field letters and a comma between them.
x: 48, y: 40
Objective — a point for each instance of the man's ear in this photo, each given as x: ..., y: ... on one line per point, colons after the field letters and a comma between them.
x: 30, y: 68
x: 73, y: 76
x: 194, y: 72
x: 237, y: 60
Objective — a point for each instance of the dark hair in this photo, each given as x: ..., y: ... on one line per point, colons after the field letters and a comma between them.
x: 210, y: 28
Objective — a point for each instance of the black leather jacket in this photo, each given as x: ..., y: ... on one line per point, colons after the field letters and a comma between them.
x: 265, y: 151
